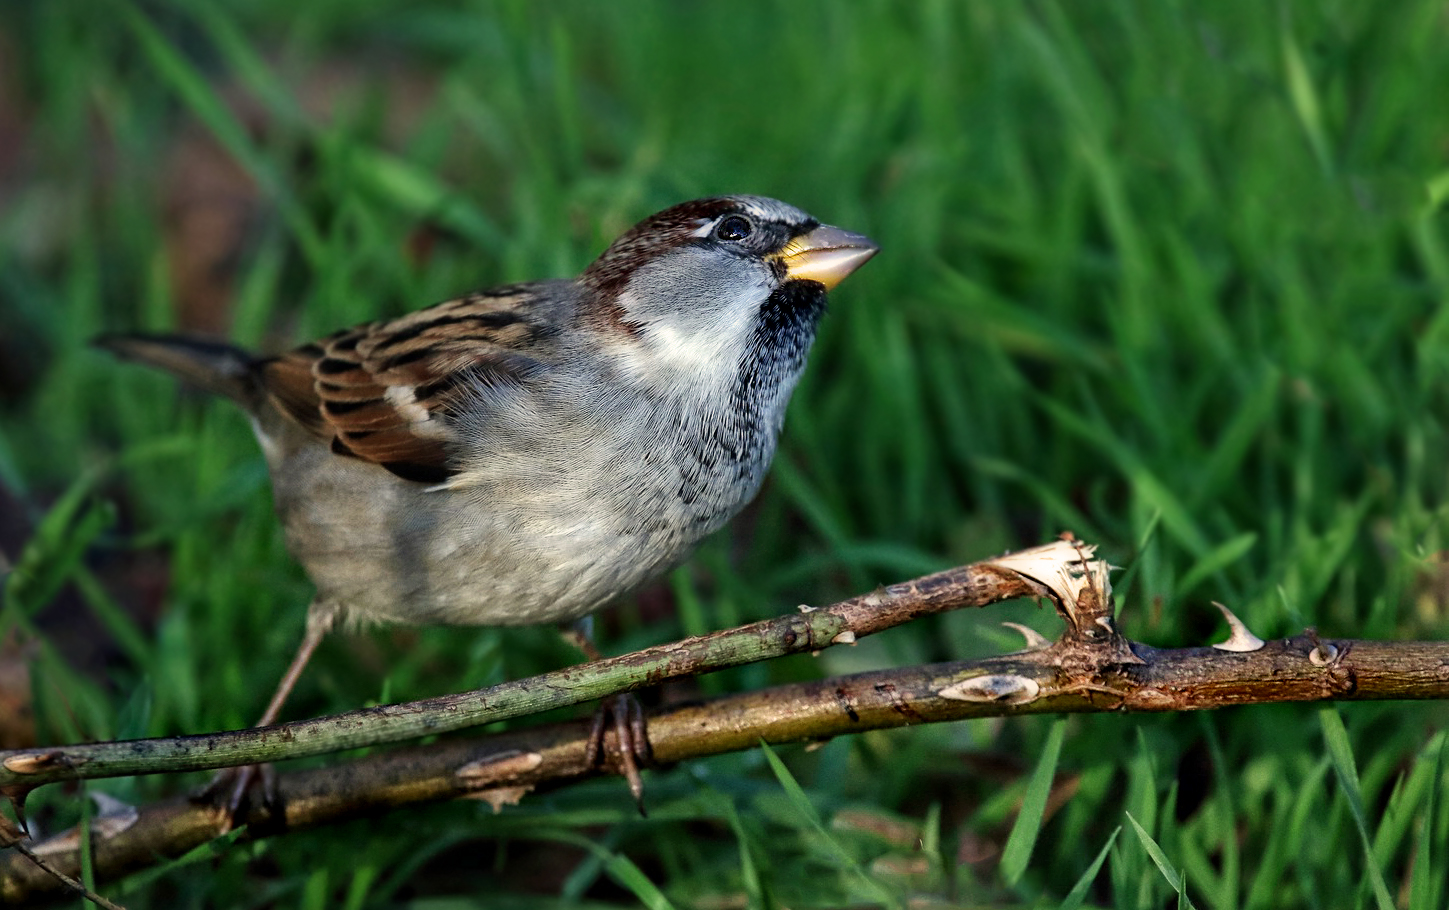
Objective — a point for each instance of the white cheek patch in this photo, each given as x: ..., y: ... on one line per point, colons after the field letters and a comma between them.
x: 687, y: 351
x: 701, y: 340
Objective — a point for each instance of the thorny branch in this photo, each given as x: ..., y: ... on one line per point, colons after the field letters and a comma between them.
x: 813, y: 629
x: 1092, y: 668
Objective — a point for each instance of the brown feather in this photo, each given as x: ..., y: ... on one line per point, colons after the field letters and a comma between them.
x: 384, y: 391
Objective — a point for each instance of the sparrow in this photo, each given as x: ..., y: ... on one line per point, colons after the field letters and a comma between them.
x: 530, y: 453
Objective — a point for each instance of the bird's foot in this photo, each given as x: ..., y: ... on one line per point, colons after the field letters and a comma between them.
x: 233, y: 792
x: 631, y: 738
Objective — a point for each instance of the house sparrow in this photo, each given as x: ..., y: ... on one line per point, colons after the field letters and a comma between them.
x: 530, y: 453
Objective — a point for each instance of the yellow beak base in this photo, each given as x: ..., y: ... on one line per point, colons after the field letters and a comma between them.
x: 827, y: 255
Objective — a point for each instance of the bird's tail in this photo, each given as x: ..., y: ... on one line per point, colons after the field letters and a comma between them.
x: 213, y: 366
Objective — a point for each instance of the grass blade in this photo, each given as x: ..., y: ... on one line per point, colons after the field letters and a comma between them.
x: 1164, y: 865
x: 1428, y: 876
x: 1078, y: 894
x: 1019, y: 844
x: 803, y: 805
x: 1335, y: 737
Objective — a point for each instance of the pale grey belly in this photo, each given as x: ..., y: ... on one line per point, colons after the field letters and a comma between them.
x: 387, y: 550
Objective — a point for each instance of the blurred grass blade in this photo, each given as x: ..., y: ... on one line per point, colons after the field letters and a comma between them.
x: 87, y: 840
x: 117, y: 621
x: 1078, y: 894
x: 1017, y: 853
x: 1215, y: 560
x: 755, y: 888
x: 794, y: 793
x: 1305, y: 101
x: 360, y: 887
x: 1164, y: 865
x: 315, y: 891
x: 1427, y: 880
x: 250, y: 67
x: 134, y: 719
x: 208, y: 853
x: 1252, y: 415
x: 1224, y: 804
x: 619, y: 867
x: 1437, y: 189
x: 198, y: 94
x: 52, y: 555
x: 422, y: 195
x: 630, y: 876
x: 1335, y: 738
x: 802, y: 804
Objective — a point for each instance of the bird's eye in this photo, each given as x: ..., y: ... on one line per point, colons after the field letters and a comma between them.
x: 734, y: 228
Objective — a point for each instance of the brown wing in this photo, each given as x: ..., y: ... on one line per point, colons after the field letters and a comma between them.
x: 383, y: 391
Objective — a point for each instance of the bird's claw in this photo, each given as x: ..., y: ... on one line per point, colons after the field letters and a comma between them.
x: 631, y: 734
x: 232, y: 791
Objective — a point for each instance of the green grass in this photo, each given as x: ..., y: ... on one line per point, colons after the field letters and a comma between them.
x: 1170, y: 275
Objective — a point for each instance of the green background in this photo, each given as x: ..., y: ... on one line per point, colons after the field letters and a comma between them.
x: 1169, y: 275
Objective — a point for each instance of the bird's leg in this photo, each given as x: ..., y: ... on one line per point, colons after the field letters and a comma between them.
x: 237, y: 782
x: 631, y: 731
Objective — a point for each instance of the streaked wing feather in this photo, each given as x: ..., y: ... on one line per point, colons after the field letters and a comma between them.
x: 383, y: 392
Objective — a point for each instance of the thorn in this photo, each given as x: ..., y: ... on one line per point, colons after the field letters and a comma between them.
x: 806, y: 608
x: 844, y: 638
x: 1240, y: 637
x: 16, y: 794
x: 1035, y: 641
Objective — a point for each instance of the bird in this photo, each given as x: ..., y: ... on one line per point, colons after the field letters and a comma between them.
x: 530, y: 453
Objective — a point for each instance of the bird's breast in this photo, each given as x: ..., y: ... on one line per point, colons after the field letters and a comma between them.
x: 572, y: 499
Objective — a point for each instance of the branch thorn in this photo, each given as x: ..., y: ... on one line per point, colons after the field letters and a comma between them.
x: 1035, y: 641
x: 1240, y: 638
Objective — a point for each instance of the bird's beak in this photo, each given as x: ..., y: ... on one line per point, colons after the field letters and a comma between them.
x: 827, y: 255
